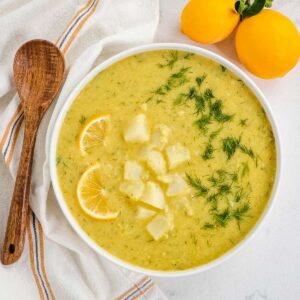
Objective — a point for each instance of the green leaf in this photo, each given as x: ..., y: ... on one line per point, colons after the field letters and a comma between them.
x: 254, y: 8
x: 240, y: 6
x: 269, y: 3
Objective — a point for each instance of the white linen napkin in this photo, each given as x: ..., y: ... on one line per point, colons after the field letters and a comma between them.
x: 60, y: 265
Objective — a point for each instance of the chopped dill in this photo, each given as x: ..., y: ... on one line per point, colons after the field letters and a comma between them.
x: 246, y: 150
x: 196, y: 183
x: 58, y: 160
x: 208, y: 226
x: 192, y: 93
x: 239, y: 194
x: 214, y: 134
x: 245, y: 169
x: 175, y: 80
x: 208, y: 94
x: 240, y: 212
x: 82, y: 119
x: 170, y: 60
x: 217, y: 113
x: 224, y: 189
x: 223, y: 68
x: 200, y: 79
x: 208, y: 152
x: 243, y: 122
x: 199, y: 104
x: 230, y: 146
x: 203, y: 122
x: 223, y: 218
x: 188, y: 55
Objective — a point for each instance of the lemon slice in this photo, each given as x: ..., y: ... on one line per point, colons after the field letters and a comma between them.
x: 91, y: 195
x: 93, y: 133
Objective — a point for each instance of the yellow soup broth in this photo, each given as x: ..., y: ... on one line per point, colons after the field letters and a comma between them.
x: 213, y: 116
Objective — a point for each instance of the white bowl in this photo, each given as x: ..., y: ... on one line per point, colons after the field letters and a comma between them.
x: 170, y: 46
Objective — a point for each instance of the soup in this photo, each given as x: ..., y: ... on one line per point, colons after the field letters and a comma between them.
x: 166, y: 160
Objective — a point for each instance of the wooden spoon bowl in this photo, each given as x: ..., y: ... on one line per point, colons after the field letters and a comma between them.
x: 38, y: 72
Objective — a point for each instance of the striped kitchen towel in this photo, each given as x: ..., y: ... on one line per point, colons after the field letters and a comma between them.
x: 56, y: 263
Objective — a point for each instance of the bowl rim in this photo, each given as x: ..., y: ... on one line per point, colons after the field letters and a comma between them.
x: 118, y: 57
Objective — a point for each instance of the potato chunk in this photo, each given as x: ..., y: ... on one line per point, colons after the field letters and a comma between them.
x: 144, y: 213
x: 176, y: 184
x: 177, y: 154
x: 158, y: 227
x: 156, y: 162
x: 133, y: 189
x: 137, y: 130
x: 153, y: 195
x: 132, y: 170
x: 160, y: 136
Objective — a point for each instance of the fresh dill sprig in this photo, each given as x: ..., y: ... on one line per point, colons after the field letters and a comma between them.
x: 192, y: 93
x: 208, y: 94
x: 170, y: 60
x: 222, y: 218
x: 230, y: 145
x: 208, y: 152
x: 200, y: 79
x: 196, y: 183
x: 224, y: 189
x: 188, y: 55
x: 223, y: 68
x: 203, y: 122
x: 199, y: 104
x: 175, y: 80
x: 208, y: 226
x: 82, y: 119
x: 245, y: 169
x: 239, y: 194
x: 214, y: 134
x: 240, y: 212
x: 216, y: 110
x: 243, y: 122
x: 246, y: 150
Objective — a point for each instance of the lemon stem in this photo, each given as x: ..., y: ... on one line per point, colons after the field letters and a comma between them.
x: 247, y: 9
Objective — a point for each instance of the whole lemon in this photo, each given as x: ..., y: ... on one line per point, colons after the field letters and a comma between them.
x: 209, y: 21
x: 268, y: 44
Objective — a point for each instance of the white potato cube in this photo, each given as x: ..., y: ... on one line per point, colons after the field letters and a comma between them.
x: 144, y: 213
x: 133, y: 189
x: 156, y: 162
x: 144, y: 152
x: 132, y: 170
x: 177, y: 154
x: 160, y: 136
x: 158, y: 227
x: 137, y: 130
x: 153, y: 195
x: 183, y: 203
x: 177, y: 186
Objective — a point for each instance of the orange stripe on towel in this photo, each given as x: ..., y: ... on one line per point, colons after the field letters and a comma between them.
x: 72, y: 20
x: 7, y: 129
x: 135, y: 286
x: 143, y: 292
x: 32, y: 264
x: 75, y: 33
x: 41, y: 237
x: 13, y: 144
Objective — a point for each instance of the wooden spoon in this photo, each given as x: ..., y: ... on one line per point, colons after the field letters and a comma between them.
x: 38, y: 72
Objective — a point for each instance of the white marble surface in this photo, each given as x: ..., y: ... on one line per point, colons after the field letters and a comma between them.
x: 269, y: 266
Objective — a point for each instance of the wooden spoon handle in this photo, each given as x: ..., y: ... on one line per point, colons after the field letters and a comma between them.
x: 18, y: 214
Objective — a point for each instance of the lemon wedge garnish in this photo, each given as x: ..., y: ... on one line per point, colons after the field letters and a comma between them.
x: 91, y: 195
x: 93, y: 133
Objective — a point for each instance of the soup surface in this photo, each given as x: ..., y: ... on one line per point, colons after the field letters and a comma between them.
x: 184, y: 161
